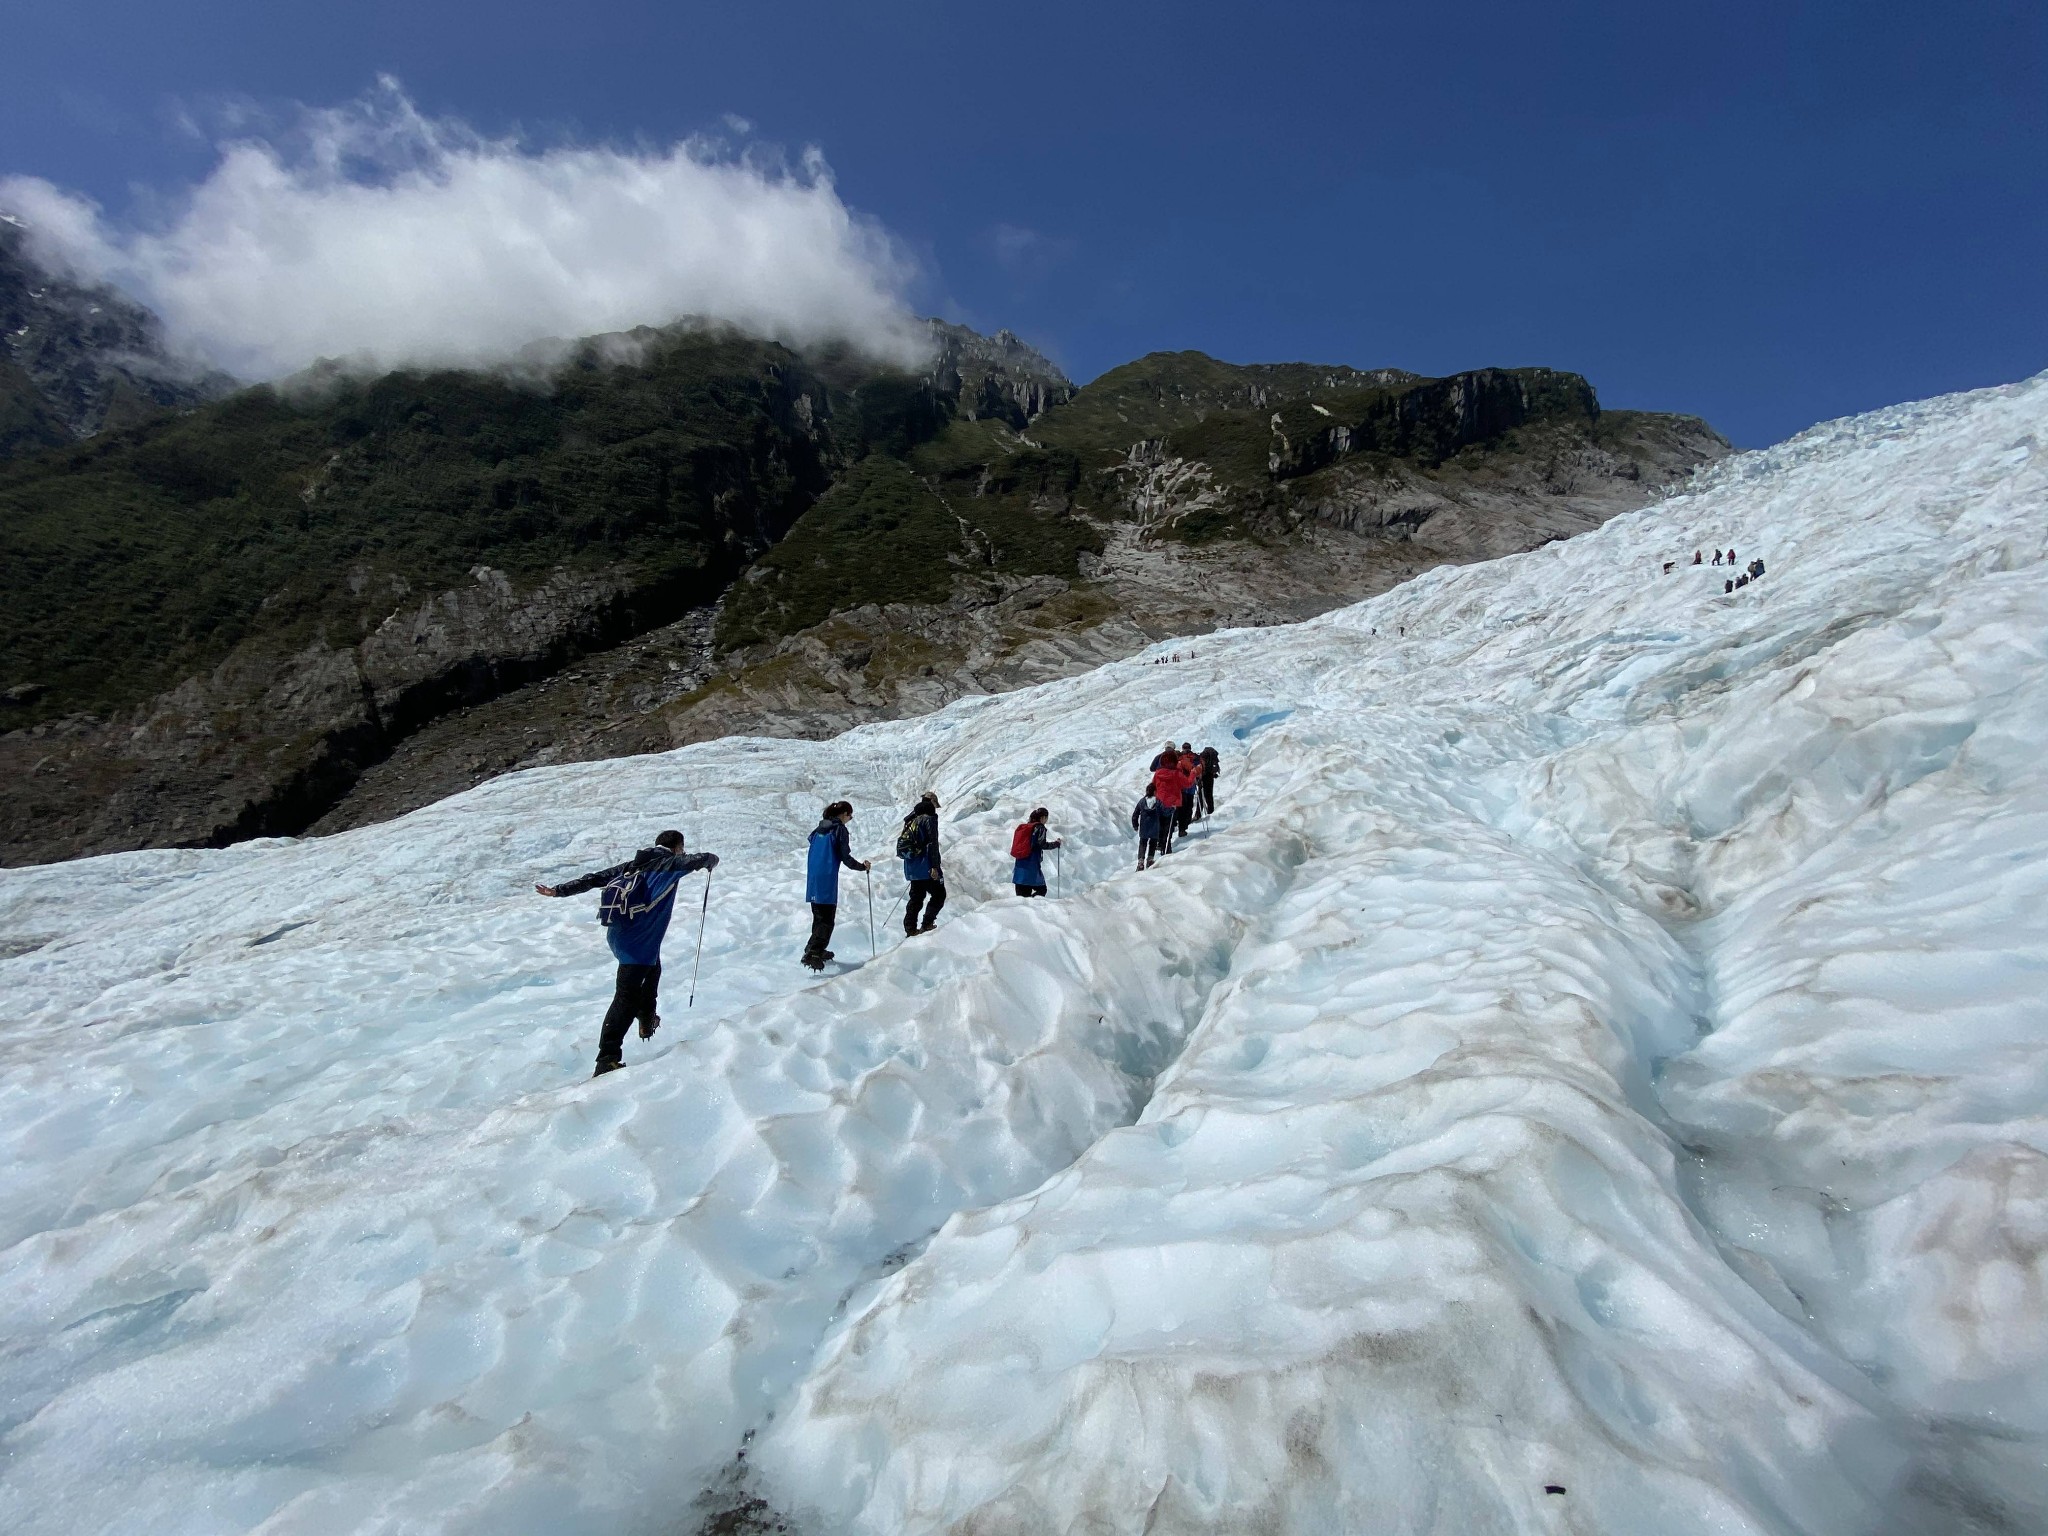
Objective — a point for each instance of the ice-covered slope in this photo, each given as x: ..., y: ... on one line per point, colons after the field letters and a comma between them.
x: 1599, y: 1047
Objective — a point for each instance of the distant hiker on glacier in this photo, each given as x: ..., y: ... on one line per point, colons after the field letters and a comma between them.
x: 1150, y: 820
x: 917, y: 845
x: 1027, y: 846
x: 1717, y: 557
x: 830, y: 851
x: 638, y: 899
x: 1696, y: 556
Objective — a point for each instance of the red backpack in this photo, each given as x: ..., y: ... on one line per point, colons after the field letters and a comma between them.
x: 1020, y: 842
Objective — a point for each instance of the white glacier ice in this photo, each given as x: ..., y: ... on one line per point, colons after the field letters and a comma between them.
x: 1600, y: 1047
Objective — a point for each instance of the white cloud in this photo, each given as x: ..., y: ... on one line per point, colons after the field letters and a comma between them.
x: 376, y: 233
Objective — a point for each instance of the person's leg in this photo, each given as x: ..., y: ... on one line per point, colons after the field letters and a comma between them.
x: 649, y: 996
x: 626, y: 1005
x: 911, y: 906
x: 823, y: 916
x: 938, y: 900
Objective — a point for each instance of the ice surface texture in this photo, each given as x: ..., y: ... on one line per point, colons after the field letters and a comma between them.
x: 1601, y: 1046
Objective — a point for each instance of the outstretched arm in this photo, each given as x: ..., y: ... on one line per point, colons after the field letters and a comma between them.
x: 582, y: 883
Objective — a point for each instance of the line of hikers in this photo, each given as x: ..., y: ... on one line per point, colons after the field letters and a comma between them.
x: 1752, y: 572
x: 637, y: 897
x: 1182, y: 791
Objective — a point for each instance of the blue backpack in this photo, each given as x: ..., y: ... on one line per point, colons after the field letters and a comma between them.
x: 624, y: 898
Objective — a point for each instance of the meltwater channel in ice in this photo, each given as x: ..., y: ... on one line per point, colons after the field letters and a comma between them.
x: 1590, y: 1077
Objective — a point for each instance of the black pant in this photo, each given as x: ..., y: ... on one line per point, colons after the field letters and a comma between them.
x: 1207, y: 785
x: 920, y: 892
x: 1030, y: 890
x: 823, y: 916
x: 1149, y: 848
x: 1184, y: 815
x: 632, y: 999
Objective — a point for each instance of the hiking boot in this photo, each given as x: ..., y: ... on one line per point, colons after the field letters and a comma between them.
x: 607, y: 1066
x: 814, y: 962
x: 649, y: 1026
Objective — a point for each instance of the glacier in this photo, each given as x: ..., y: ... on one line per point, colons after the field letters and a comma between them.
x: 1589, y: 1076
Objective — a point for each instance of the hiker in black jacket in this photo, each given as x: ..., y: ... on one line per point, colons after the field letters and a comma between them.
x: 635, y: 933
x: 918, y: 846
x: 1211, y: 765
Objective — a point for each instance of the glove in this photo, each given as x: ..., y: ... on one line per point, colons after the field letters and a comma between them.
x: 711, y: 861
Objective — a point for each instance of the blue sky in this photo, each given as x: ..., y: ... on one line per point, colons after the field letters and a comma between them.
x: 1765, y: 214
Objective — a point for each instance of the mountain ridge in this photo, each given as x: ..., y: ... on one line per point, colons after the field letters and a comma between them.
x: 223, y: 622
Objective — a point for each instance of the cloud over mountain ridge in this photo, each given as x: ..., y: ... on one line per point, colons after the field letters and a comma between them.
x: 377, y: 233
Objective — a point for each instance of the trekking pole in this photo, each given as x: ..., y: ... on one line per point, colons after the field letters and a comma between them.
x: 872, y: 951
x: 701, y: 918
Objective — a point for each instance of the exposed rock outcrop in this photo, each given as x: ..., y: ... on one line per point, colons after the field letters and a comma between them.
x: 76, y: 357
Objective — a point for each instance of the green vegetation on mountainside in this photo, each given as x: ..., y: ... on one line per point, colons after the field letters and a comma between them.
x: 138, y: 557
x: 887, y: 534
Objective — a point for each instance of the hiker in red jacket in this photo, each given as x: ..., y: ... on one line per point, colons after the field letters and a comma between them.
x: 1171, y: 786
x: 1027, y: 846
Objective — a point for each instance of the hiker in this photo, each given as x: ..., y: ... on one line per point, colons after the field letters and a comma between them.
x: 1756, y: 567
x: 1190, y: 776
x: 1027, y: 846
x: 1742, y: 581
x: 1668, y: 564
x: 830, y: 849
x: 1167, y: 754
x: 1731, y: 557
x: 1696, y: 556
x: 1728, y: 585
x: 917, y: 845
x: 639, y: 896
x: 1150, y: 820
x: 1717, y: 557
x: 1211, y: 764
x: 1170, y: 789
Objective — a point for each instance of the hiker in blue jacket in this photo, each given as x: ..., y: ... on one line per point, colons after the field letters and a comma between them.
x: 1029, y: 875
x: 640, y: 913
x: 830, y: 849
x: 918, y: 846
x: 1152, y: 821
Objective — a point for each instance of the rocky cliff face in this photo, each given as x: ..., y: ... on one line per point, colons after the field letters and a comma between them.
x: 996, y: 378
x: 76, y: 358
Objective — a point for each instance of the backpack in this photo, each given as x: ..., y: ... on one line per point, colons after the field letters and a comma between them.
x: 624, y: 898
x: 911, y: 842
x: 1020, y: 842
